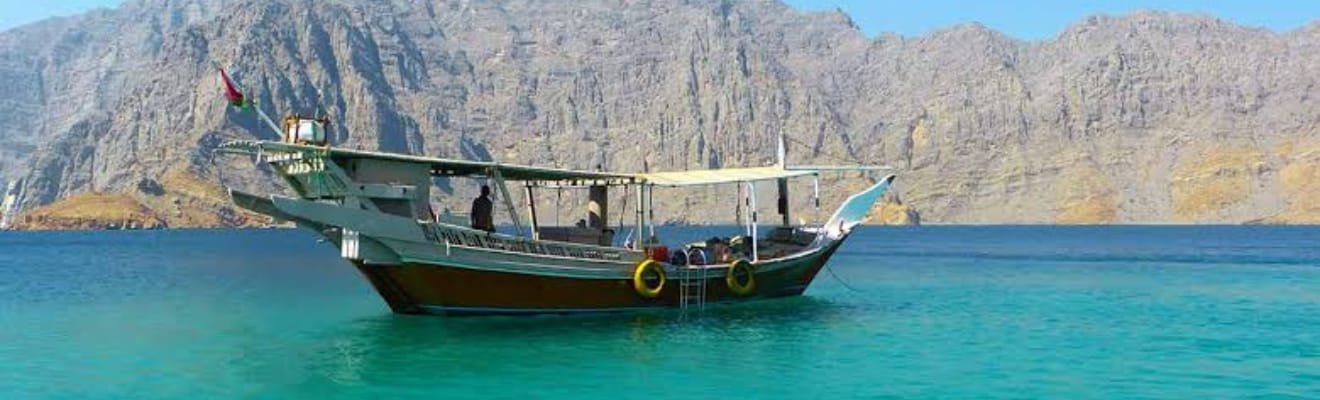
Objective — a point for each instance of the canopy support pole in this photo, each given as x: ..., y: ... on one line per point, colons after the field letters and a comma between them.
x: 815, y: 197
x: 738, y: 204
x: 783, y: 201
x: 650, y: 212
x: 531, y: 214
x: 751, y: 206
x: 641, y: 217
x: 744, y: 201
x: 508, y: 200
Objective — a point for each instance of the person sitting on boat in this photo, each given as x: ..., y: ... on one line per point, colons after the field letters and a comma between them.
x: 717, y: 249
x: 482, y: 208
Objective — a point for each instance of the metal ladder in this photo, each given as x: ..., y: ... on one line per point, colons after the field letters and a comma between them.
x: 692, y: 286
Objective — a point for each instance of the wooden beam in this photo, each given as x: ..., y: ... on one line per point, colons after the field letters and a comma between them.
x: 508, y: 201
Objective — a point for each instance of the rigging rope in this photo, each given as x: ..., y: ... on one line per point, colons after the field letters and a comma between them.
x: 831, y: 156
x: 822, y: 152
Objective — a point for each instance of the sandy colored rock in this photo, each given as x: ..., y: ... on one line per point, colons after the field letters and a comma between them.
x: 190, y: 200
x: 891, y: 211
x: 1088, y: 197
x: 91, y: 211
x: 1299, y: 179
x: 1218, y: 178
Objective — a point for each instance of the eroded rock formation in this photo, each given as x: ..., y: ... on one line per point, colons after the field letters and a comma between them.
x: 1143, y: 118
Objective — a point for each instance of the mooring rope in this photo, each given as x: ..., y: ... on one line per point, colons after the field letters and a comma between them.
x: 841, y: 281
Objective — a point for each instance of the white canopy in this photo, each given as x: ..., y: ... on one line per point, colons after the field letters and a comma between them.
x: 451, y: 167
x: 717, y: 176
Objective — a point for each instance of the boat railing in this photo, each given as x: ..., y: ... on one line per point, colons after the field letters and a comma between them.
x: 450, y: 235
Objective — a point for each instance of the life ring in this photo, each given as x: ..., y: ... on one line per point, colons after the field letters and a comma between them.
x: 644, y: 288
x: 732, y: 277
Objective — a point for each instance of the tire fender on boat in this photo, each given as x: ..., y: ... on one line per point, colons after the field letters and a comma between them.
x: 643, y: 288
x: 731, y: 278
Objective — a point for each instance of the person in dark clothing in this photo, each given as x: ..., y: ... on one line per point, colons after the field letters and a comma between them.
x: 482, y: 208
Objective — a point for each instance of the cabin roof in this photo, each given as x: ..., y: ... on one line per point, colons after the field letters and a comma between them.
x: 513, y: 172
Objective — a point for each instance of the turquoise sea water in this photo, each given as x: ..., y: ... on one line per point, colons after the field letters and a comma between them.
x: 933, y: 312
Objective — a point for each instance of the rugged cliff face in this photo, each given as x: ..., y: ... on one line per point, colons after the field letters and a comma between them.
x: 1150, y: 117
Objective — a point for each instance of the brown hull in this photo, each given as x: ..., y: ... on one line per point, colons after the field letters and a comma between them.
x: 449, y: 290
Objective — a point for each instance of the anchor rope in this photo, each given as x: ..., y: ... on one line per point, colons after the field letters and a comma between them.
x: 840, y: 280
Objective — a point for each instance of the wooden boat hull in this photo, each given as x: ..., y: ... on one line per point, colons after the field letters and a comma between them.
x: 438, y: 289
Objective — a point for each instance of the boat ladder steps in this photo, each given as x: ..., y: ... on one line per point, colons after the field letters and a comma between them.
x: 692, y: 287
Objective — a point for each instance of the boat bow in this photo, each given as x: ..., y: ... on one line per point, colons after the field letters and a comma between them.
x: 855, y: 209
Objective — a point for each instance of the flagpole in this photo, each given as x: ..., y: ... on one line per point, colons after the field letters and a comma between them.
x: 267, y: 119
x: 237, y: 99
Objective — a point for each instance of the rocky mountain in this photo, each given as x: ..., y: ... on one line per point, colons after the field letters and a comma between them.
x: 1143, y: 118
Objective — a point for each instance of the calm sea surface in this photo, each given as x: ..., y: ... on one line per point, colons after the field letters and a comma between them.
x: 933, y: 312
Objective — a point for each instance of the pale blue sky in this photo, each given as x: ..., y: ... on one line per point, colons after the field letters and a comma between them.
x: 18, y: 12
x: 1037, y: 19
x: 1026, y: 19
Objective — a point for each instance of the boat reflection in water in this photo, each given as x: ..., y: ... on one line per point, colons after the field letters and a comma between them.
x: 477, y: 351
